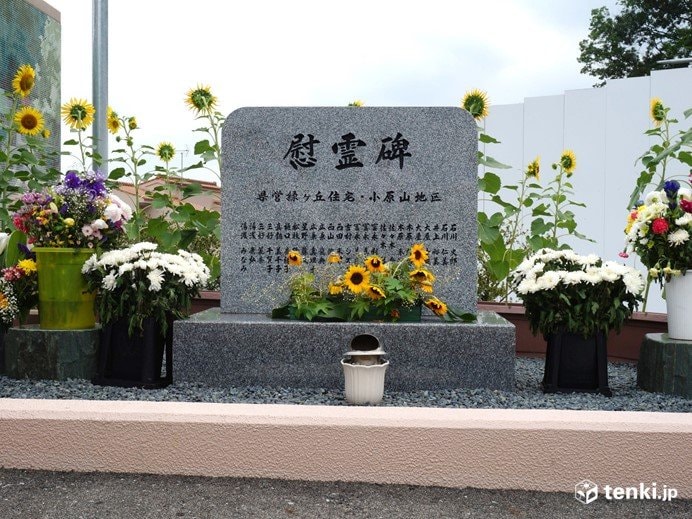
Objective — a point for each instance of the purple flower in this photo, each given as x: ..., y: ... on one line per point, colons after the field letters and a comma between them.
x: 72, y: 180
x: 63, y: 209
x: 671, y: 188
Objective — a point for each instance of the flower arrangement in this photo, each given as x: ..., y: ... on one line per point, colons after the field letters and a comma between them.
x: 658, y: 230
x: 372, y: 289
x: 23, y: 277
x: 563, y: 291
x: 79, y: 212
x: 139, y: 282
x: 8, y: 305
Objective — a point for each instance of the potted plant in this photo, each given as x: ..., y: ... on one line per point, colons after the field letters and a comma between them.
x: 8, y: 313
x: 365, y: 291
x: 658, y: 230
x: 574, y: 301
x: 65, y: 224
x: 24, y: 280
x: 139, y: 292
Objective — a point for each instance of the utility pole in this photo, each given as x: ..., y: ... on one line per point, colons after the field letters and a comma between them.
x: 99, y: 72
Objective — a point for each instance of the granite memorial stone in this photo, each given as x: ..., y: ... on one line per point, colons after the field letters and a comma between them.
x: 358, y: 181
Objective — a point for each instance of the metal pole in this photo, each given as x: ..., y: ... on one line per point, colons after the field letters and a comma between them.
x: 100, y: 80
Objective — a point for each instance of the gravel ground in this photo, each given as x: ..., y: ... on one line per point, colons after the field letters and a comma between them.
x: 528, y: 395
x: 39, y: 494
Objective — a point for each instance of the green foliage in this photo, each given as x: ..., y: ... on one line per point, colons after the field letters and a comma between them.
x: 630, y: 43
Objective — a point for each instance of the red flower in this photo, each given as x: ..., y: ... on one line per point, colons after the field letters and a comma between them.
x: 686, y: 205
x: 659, y: 226
x: 623, y: 254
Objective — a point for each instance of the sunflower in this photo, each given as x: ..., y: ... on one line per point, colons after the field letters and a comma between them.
x: 112, y: 121
x: 438, y: 307
x: 4, y: 302
x: 374, y: 263
x: 23, y: 80
x: 29, y: 120
x: 419, y: 255
x: 356, y: 279
x: 657, y: 111
x: 78, y: 114
x: 420, y: 275
x: 165, y: 151
x: 357, y: 103
x: 476, y: 103
x: 534, y: 168
x: 568, y: 161
x: 376, y: 293
x: 46, y: 133
x: 335, y: 289
x: 334, y: 257
x: 295, y: 259
x: 132, y: 123
x: 201, y: 99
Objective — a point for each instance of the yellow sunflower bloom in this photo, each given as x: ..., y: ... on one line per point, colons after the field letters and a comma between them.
x: 374, y: 263
x: 421, y: 275
x: 476, y: 103
x: 4, y: 302
x: 24, y: 80
x: 418, y: 255
x: 334, y: 257
x: 568, y: 161
x: 335, y: 289
x: 29, y: 121
x: 657, y: 111
x: 165, y: 151
x: 438, y: 307
x: 357, y: 279
x: 534, y: 168
x: 46, y: 133
x: 78, y: 113
x: 27, y: 265
x: 200, y: 99
x: 357, y: 103
x: 295, y: 259
x: 376, y: 293
x: 112, y: 121
x: 132, y: 123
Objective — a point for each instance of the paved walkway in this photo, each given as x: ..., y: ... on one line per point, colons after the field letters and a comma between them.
x: 40, y: 494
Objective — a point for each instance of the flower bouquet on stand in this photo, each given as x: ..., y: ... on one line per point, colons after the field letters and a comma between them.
x: 574, y: 301
x: 658, y: 230
x: 65, y: 225
x: 139, y: 292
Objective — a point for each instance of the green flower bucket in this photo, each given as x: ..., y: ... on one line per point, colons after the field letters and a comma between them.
x: 63, y: 300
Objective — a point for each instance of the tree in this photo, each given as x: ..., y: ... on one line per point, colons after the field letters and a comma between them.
x: 630, y: 43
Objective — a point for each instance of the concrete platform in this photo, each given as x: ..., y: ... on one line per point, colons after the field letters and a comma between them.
x: 541, y: 450
x: 226, y: 350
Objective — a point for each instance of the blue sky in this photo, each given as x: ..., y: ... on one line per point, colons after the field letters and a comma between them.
x: 267, y: 52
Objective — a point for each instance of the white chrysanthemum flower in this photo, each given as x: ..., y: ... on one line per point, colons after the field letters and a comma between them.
x: 678, y: 237
x: 90, y: 264
x: 593, y: 276
x: 548, y: 281
x: 110, y: 281
x: 528, y: 286
x: 685, y: 193
x: 634, y: 282
x: 142, y: 246
x: 573, y: 278
x: 524, y: 266
x: 656, y: 197
x: 125, y: 267
x: 684, y: 220
x: 98, y: 225
x: 155, y: 278
x: 608, y: 274
x: 591, y: 259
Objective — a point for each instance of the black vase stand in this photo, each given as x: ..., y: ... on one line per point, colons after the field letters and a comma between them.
x: 134, y: 361
x: 574, y: 364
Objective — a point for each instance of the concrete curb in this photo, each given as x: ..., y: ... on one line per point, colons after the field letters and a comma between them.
x: 483, y: 448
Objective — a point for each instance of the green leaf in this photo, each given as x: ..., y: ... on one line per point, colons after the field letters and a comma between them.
x: 487, y: 139
x: 202, y: 147
x: 489, y: 183
x: 491, y: 162
x: 539, y: 227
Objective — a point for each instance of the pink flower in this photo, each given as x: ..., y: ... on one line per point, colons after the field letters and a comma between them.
x: 659, y: 226
x: 623, y: 254
x: 87, y: 230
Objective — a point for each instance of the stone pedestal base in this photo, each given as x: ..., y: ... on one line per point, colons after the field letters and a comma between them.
x: 51, y: 354
x: 665, y: 365
x: 254, y: 350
